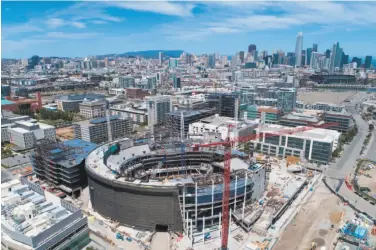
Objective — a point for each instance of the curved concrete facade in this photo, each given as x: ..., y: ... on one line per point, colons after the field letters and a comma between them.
x: 143, y: 207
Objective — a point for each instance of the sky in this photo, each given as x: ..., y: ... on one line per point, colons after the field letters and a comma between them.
x: 79, y: 29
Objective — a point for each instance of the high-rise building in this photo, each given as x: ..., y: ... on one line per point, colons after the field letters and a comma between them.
x: 333, y: 57
x: 275, y: 58
x: 251, y: 48
x: 344, y: 60
x: 241, y: 55
x: 177, y: 82
x: 298, y: 49
x: 157, y: 107
x: 173, y: 63
x: 314, y: 47
x: 286, y: 99
x: 358, y: 61
x: 368, y: 62
x: 126, y: 82
x: 211, y: 61
x: 224, y: 60
x: 303, y: 57
x: 327, y: 53
x: 308, y: 56
x: 160, y: 58
x: 314, y: 64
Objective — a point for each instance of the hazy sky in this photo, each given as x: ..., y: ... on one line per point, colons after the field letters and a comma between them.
x: 93, y: 28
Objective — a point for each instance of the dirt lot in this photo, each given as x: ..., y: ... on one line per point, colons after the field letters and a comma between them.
x: 365, y: 181
x: 327, y: 96
x: 65, y: 133
x: 313, y: 222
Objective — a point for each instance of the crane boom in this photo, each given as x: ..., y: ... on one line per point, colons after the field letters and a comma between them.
x: 228, y: 143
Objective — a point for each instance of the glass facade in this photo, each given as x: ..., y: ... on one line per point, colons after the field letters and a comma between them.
x: 321, y: 151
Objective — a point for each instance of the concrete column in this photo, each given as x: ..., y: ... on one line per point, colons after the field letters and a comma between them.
x: 236, y: 189
x: 184, y: 200
x: 245, y: 194
x: 212, y: 208
x: 196, y: 203
x: 310, y: 150
x: 203, y: 229
x: 220, y: 226
x: 187, y: 225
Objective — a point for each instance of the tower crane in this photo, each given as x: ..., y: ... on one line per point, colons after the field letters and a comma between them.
x: 228, y: 144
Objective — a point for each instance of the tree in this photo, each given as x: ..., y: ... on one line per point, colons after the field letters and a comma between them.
x: 370, y: 109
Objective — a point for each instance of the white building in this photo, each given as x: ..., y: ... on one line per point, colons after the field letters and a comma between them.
x: 137, y: 113
x: 93, y: 109
x: 220, y: 124
x: 25, y: 134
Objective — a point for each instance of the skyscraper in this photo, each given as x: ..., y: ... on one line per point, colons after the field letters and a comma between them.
x: 160, y: 58
x: 308, y: 56
x: 335, y: 57
x: 327, y: 53
x: 314, y: 47
x: 298, y: 49
x: 241, y: 55
x: 251, y: 48
x: 368, y: 61
x: 211, y: 61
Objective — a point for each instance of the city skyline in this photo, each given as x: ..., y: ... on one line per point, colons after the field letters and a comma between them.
x: 79, y: 29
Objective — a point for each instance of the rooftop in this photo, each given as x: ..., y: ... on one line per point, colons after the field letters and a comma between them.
x: 6, y: 102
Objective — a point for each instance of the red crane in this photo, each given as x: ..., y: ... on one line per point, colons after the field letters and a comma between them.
x: 227, y: 144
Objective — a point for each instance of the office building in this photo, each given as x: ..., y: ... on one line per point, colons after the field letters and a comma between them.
x: 252, y: 48
x: 176, y: 82
x: 5, y: 90
x: 296, y: 119
x: 62, y: 164
x: 343, y: 119
x: 96, y: 130
x: 308, y: 56
x: 335, y: 57
x: 241, y: 55
x: 219, y: 125
x: 126, y: 82
x: 358, y: 61
x: 93, y: 109
x: 298, y: 49
x: 173, y: 120
x: 314, y: 47
x: 172, y: 63
x: 211, y: 61
x: 345, y: 59
x: 160, y: 58
x: 138, y: 113
x: 72, y: 102
x: 157, y: 107
x: 286, y: 99
x: 224, y: 60
x: 8, y: 120
x: 368, y: 62
x: 224, y: 103
x: 24, y: 134
x: 272, y: 114
x: 34, y: 219
x: 315, y: 145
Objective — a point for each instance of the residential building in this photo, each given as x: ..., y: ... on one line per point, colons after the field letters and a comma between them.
x: 315, y: 145
x: 211, y: 61
x: 35, y: 219
x: 25, y: 134
x: 126, y: 82
x: 252, y: 49
x: 62, y: 164
x: 96, y: 130
x: 314, y: 47
x: 308, y: 56
x: 93, y: 109
x: 286, y: 99
x: 296, y: 119
x: 320, y: 106
x: 298, y: 49
x: 176, y: 82
x: 136, y: 93
x: 157, y: 107
x: 5, y: 90
x: 71, y: 103
x: 8, y: 120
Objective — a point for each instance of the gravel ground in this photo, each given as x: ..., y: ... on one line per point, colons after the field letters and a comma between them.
x: 313, y: 222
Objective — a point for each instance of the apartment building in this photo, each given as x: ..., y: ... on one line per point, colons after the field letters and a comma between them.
x: 157, y: 107
x: 96, y: 130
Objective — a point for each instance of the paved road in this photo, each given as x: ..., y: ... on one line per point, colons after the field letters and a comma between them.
x: 371, y: 153
x: 346, y: 164
x: 160, y: 241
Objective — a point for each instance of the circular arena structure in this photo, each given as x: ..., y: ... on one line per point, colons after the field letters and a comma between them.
x: 152, y: 189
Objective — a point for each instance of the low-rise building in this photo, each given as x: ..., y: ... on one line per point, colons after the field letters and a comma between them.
x: 34, y: 219
x: 138, y: 113
x: 72, y: 102
x: 314, y: 145
x: 344, y: 120
x: 272, y: 114
x: 96, y: 130
x: 136, y: 93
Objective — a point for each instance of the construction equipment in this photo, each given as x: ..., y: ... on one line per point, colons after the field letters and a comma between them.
x: 291, y: 160
x: 228, y: 144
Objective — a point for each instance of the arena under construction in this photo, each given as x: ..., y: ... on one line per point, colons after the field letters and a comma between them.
x: 161, y: 188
